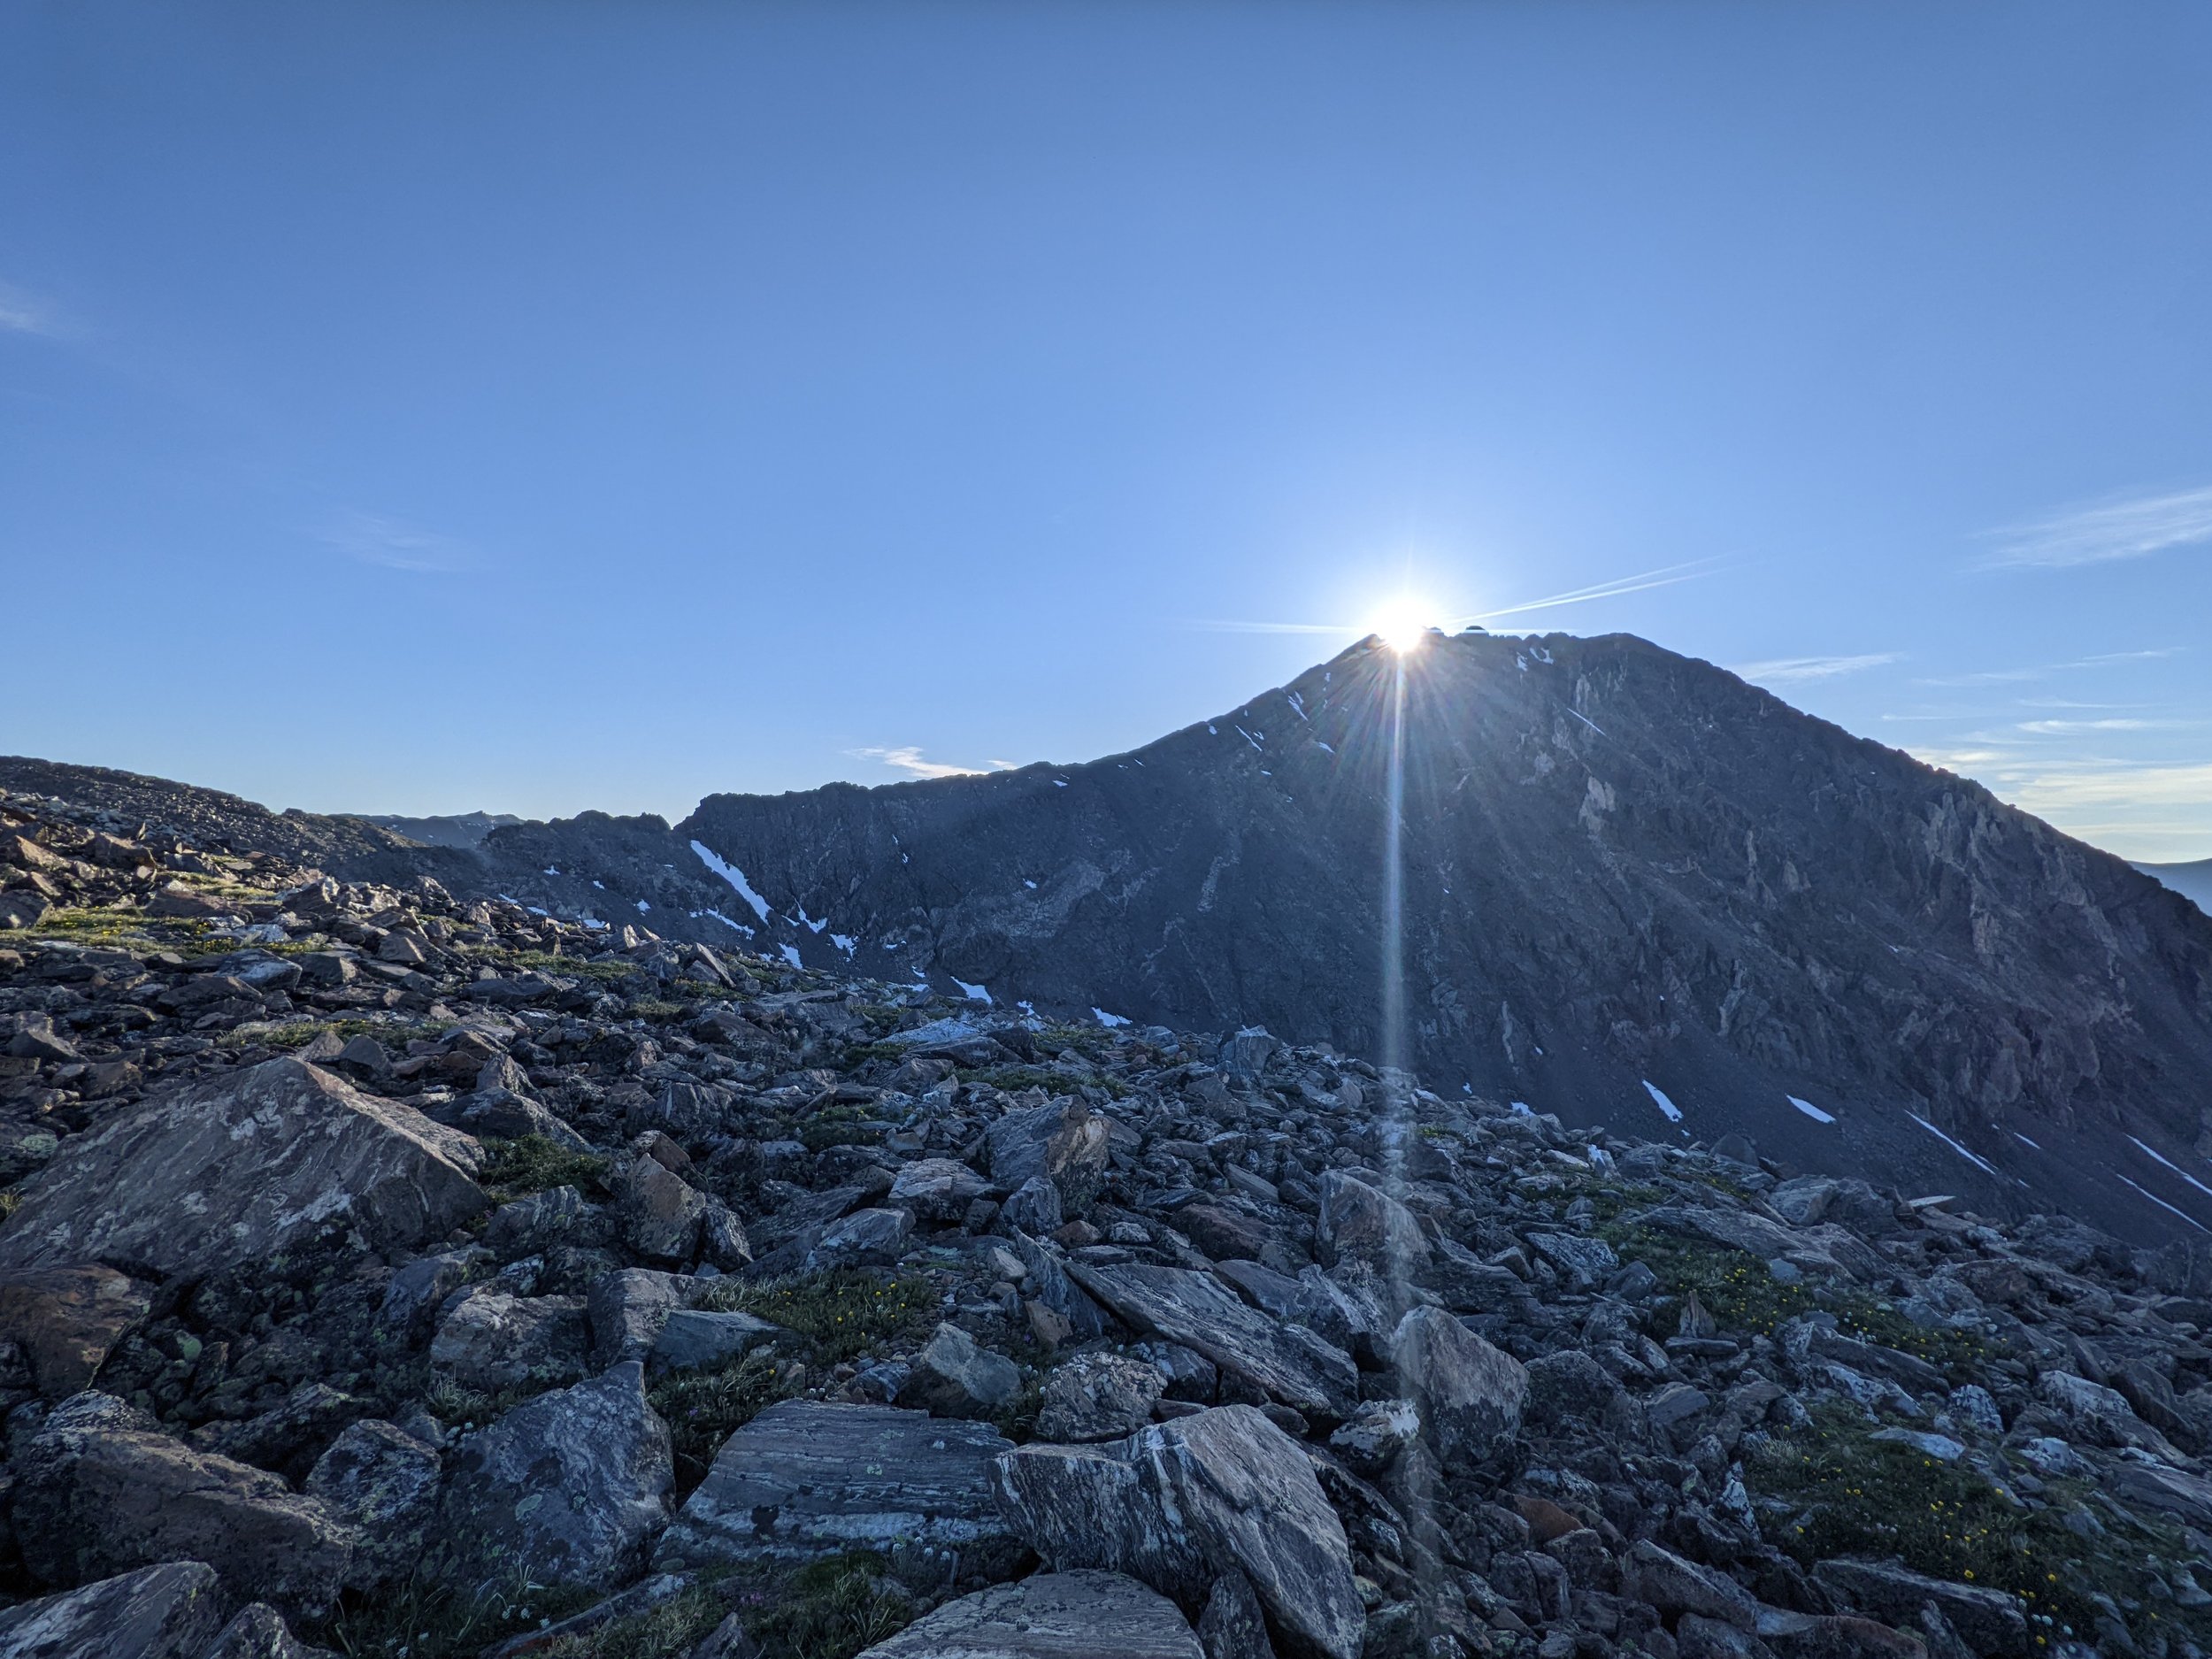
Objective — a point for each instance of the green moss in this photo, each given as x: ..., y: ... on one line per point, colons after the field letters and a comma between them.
x: 702, y: 1408
x: 1858, y: 1496
x: 667, y: 1631
x: 841, y: 1313
x: 838, y: 1127
x: 861, y: 1052
x: 429, y: 1618
x: 533, y: 1163
x: 831, y: 1609
x: 659, y: 1011
x: 1014, y: 1078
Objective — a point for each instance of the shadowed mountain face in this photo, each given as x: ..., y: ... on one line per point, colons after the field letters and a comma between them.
x: 1635, y: 887
x: 1625, y: 870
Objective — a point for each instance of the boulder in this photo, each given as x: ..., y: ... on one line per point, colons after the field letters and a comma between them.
x: 1064, y: 1141
x: 938, y: 1189
x: 383, y: 1482
x: 493, y: 1341
x: 171, y: 1611
x: 240, y: 1166
x: 1234, y: 1625
x: 1470, y: 1395
x: 954, y: 1378
x: 570, y: 1488
x: 535, y: 1223
x: 1035, y: 1207
x: 103, y: 1490
x: 697, y: 1340
x: 1675, y: 1586
x: 1051, y: 1615
x: 806, y: 1478
x: 1361, y: 1223
x: 64, y: 1320
x: 1990, y: 1621
x: 1286, y: 1361
x: 261, y: 1632
x: 877, y: 1236
x: 1098, y: 1397
x: 627, y: 1307
x: 1179, y: 1503
x: 660, y: 1214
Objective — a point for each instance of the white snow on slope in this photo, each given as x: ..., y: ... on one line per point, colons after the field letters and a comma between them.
x: 1668, y: 1109
x: 1812, y: 1111
x: 974, y: 993
x: 1110, y: 1020
x: 643, y: 906
x: 2163, y: 1204
x: 731, y: 874
x: 1981, y: 1164
x: 810, y: 924
x: 2174, y: 1167
x: 791, y: 955
x: 845, y: 943
x: 1587, y: 721
x: 726, y: 922
x: 2023, y: 1140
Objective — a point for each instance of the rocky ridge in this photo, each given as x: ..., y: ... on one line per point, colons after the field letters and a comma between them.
x: 396, y: 1273
x: 1639, y: 893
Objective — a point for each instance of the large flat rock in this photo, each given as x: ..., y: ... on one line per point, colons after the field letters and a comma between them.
x: 1053, y: 1615
x: 806, y: 1478
x: 238, y: 1167
x: 172, y: 1611
x: 1286, y: 1362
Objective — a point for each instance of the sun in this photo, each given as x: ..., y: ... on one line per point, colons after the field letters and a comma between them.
x: 1403, y: 622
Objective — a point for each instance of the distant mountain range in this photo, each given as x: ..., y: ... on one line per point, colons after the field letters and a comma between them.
x: 456, y: 829
x: 1637, y: 891
x: 2193, y: 881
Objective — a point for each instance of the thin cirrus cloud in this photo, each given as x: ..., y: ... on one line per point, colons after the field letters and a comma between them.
x: 373, y: 539
x: 1788, y: 670
x: 2130, y: 528
x: 2006, y: 676
x: 21, y: 313
x: 908, y: 758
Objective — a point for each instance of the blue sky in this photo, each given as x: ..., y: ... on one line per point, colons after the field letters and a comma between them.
x: 417, y: 407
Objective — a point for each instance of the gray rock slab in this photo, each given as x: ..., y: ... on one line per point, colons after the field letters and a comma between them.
x: 1052, y: 1616
x: 493, y: 1341
x: 242, y: 1165
x: 698, y: 1339
x: 1181, y: 1502
x: 171, y: 1611
x: 1471, y: 1395
x: 571, y: 1486
x: 807, y: 1479
x: 1286, y: 1362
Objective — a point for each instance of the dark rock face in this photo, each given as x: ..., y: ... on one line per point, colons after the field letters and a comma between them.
x: 171, y: 1184
x: 172, y: 1611
x: 104, y: 1491
x: 804, y: 1479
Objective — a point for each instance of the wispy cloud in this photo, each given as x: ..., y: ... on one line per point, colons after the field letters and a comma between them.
x: 376, y: 540
x: 22, y: 313
x: 2064, y: 728
x: 2132, y: 527
x: 1786, y: 669
x: 2009, y: 676
x: 907, y: 758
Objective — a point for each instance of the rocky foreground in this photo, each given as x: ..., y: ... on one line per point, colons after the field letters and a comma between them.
x: 399, y: 1276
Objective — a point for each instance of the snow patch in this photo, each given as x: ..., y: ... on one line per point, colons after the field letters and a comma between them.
x: 731, y: 874
x: 2163, y: 1204
x: 2023, y: 1140
x: 643, y: 906
x: 1110, y: 1020
x: 1668, y: 1109
x: 726, y: 922
x: 845, y: 943
x: 1522, y: 1108
x: 551, y: 870
x: 1812, y: 1111
x: 974, y: 993
x: 1248, y: 738
x: 1299, y: 703
x: 1981, y: 1164
x: 2174, y: 1167
x: 1029, y: 884
x: 810, y: 924
x: 1587, y: 721
x: 791, y: 955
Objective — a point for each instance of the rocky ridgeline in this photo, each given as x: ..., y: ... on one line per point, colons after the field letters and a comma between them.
x: 402, y: 1276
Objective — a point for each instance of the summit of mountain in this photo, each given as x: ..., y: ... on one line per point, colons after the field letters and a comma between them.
x: 1636, y: 891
